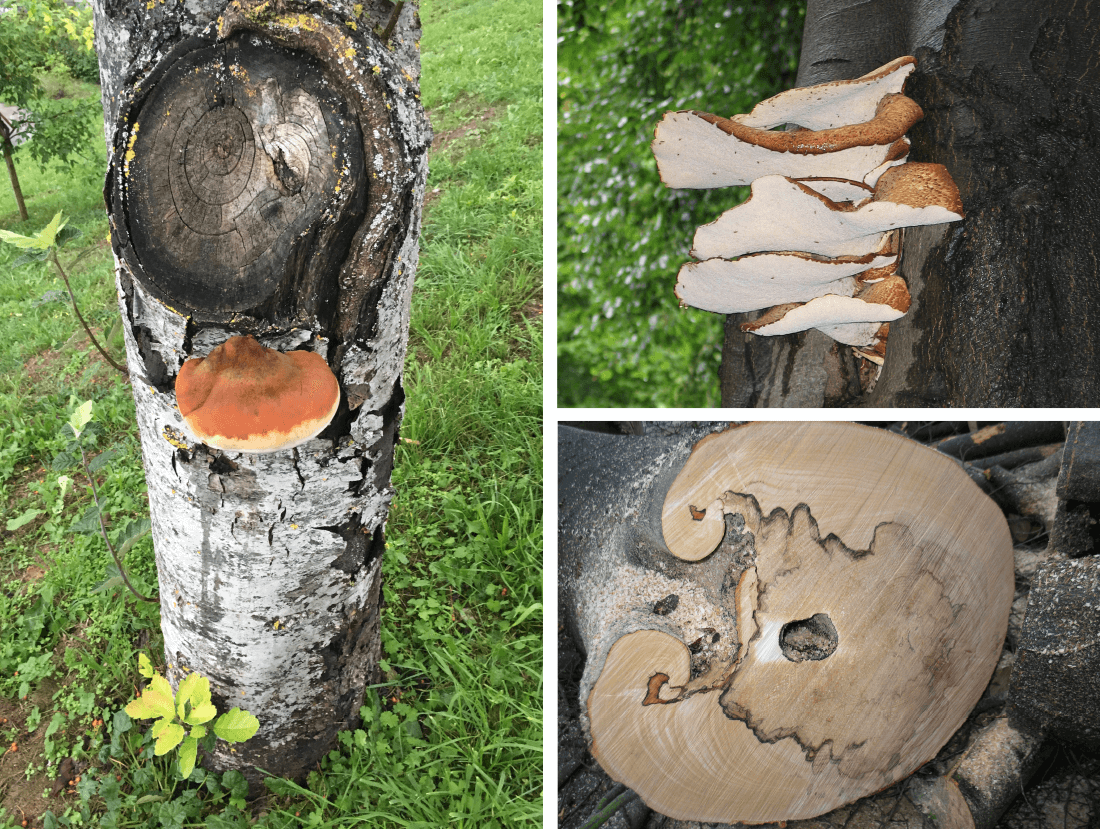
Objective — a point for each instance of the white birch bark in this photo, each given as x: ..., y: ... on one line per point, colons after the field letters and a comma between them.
x: 269, y: 565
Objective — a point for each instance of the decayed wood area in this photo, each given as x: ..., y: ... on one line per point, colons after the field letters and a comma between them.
x: 989, y: 758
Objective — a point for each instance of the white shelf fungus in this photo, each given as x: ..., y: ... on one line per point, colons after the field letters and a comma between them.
x: 814, y: 243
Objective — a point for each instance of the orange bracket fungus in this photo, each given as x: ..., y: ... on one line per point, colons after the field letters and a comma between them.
x: 243, y: 397
x: 827, y: 200
x: 779, y: 618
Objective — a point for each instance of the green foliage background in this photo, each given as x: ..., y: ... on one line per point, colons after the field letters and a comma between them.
x: 622, y: 340
x: 47, y: 36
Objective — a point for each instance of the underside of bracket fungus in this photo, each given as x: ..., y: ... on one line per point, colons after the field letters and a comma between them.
x: 871, y: 607
x: 834, y: 188
x: 243, y: 397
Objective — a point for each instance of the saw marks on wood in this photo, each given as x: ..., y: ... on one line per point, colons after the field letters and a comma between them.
x: 870, y: 617
x: 240, y: 149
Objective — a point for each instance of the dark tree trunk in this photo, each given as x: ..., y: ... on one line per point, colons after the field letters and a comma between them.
x: 267, y: 174
x: 1007, y: 302
x: 15, y: 188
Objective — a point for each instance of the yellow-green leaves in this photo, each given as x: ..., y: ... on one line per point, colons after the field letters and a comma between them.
x: 182, y: 716
x: 39, y: 247
x: 78, y: 420
x: 236, y: 726
x: 167, y: 734
x: 188, y: 753
x: 40, y: 241
x: 155, y: 701
x: 193, y: 700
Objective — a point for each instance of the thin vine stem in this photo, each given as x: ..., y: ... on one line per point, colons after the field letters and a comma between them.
x: 103, y: 530
x: 618, y: 797
x: 57, y: 264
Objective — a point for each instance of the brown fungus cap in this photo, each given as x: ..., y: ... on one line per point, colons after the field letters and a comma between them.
x: 244, y: 397
x: 919, y: 184
x: 894, y: 115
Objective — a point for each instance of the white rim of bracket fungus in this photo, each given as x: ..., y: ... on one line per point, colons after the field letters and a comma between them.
x: 834, y: 103
x: 761, y: 280
x: 694, y: 154
x: 784, y: 214
x: 851, y: 320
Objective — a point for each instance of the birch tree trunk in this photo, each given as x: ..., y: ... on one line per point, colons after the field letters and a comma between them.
x: 267, y: 170
x: 1005, y: 302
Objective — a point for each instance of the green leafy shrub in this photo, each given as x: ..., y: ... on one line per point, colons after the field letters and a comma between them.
x: 38, y: 37
x: 181, y: 718
x: 622, y: 340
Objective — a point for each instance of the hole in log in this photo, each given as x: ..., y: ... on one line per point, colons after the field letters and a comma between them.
x: 814, y: 638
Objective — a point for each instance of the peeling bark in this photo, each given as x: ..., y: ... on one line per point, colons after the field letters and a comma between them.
x: 267, y: 170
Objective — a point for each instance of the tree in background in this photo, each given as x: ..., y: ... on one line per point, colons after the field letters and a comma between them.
x: 38, y: 37
x: 622, y: 340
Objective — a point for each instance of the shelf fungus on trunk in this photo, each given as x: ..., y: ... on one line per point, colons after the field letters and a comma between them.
x: 731, y: 286
x: 243, y: 397
x: 843, y: 598
x: 833, y: 187
x: 843, y: 127
x: 785, y: 214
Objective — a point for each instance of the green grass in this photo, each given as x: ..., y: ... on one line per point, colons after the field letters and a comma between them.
x: 454, y: 735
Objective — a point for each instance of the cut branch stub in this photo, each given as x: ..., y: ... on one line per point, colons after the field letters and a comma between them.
x: 871, y: 613
x: 240, y: 154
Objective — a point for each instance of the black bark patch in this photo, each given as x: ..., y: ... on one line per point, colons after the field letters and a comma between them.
x: 362, y: 548
x: 222, y: 465
x: 357, y: 545
x: 666, y: 605
x: 155, y: 369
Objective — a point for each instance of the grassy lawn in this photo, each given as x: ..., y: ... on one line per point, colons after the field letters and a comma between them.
x: 453, y: 737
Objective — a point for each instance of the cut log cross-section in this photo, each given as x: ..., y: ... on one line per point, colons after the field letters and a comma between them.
x: 865, y: 613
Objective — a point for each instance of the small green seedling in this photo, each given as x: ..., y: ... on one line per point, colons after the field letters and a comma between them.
x: 182, y: 721
x: 92, y: 521
x: 42, y: 247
